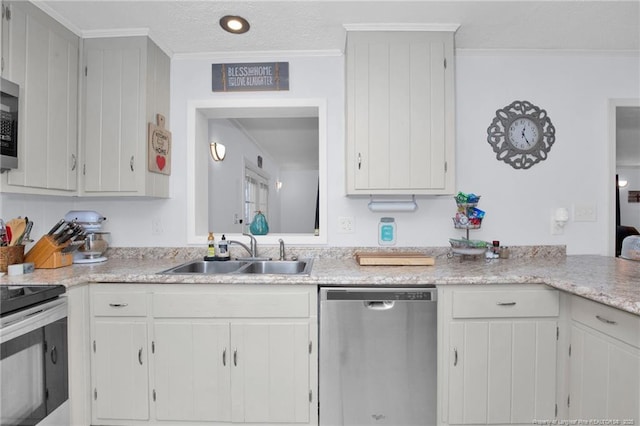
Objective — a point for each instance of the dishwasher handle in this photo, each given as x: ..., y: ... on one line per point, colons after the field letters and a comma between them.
x: 379, y: 305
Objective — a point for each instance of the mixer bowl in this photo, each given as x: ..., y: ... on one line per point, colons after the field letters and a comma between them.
x: 95, y: 244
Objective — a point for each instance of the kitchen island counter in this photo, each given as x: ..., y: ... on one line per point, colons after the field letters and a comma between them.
x: 614, y: 282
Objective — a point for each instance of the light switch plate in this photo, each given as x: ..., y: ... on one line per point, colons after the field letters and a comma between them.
x: 345, y: 224
x: 585, y: 213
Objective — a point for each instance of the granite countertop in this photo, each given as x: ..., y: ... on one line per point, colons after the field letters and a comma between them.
x: 615, y: 282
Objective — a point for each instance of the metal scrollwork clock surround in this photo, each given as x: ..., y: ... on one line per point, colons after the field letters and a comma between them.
x: 521, y: 134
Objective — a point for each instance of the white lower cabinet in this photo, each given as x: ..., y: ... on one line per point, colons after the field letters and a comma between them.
x: 119, y: 355
x: 498, y: 354
x: 121, y: 379
x: 270, y: 372
x: 604, y: 364
x: 216, y: 355
x: 191, y: 370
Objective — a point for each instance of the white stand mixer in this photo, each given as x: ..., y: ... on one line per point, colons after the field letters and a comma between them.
x: 96, y: 242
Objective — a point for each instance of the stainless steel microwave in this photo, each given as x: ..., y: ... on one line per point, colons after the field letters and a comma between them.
x: 9, y: 101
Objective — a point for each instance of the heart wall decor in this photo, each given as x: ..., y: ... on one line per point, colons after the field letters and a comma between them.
x: 159, y: 147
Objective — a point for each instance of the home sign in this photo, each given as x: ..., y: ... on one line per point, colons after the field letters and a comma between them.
x: 250, y: 77
x: 159, y: 147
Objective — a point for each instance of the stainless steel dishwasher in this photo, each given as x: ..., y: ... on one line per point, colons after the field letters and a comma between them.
x: 377, y: 356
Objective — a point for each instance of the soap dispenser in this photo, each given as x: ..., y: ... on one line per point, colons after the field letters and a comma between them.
x: 223, y: 248
x: 211, y: 241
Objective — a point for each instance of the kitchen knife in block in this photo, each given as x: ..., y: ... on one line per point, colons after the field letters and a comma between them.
x: 46, y: 254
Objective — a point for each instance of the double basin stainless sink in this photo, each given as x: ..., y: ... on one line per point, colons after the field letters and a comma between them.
x: 203, y: 267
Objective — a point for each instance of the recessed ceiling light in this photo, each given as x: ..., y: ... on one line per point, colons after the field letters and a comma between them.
x: 234, y: 24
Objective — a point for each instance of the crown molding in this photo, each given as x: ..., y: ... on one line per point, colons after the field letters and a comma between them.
x: 259, y: 54
x: 546, y: 52
x: 450, y: 27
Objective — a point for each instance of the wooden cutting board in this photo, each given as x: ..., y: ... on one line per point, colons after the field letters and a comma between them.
x: 394, y: 259
x: 159, y: 147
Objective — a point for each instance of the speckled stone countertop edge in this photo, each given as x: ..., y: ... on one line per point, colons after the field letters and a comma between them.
x: 614, y: 282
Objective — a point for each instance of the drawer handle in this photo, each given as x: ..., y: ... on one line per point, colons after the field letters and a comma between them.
x: 224, y: 357
x: 140, y: 356
x: 118, y: 305
x: 455, y: 356
x: 606, y: 321
x: 506, y: 303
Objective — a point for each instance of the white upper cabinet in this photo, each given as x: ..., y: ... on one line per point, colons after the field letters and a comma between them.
x: 4, y: 31
x: 126, y: 84
x: 400, y: 112
x: 41, y: 56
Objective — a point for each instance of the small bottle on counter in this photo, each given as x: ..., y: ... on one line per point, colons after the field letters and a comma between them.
x: 504, y: 252
x: 494, y: 251
x: 211, y: 241
x: 223, y: 248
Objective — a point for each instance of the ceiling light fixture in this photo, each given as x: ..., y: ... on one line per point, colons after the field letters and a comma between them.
x: 234, y: 24
x: 218, y: 151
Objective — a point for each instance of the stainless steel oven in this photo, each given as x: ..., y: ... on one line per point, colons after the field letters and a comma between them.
x: 33, y: 356
x: 9, y: 103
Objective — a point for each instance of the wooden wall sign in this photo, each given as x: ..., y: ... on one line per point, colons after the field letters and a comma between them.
x: 634, y: 197
x: 159, y: 147
x: 250, y: 77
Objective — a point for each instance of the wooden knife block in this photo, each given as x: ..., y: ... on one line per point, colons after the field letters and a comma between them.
x: 46, y: 254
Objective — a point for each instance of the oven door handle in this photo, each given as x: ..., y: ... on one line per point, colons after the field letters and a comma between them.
x: 54, y: 355
x: 33, y: 319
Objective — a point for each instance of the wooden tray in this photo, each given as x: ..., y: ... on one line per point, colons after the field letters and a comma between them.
x: 394, y: 259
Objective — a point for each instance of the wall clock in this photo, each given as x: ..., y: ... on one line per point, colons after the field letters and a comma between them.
x: 521, y: 134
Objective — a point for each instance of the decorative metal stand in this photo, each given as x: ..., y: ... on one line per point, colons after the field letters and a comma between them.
x: 465, y: 247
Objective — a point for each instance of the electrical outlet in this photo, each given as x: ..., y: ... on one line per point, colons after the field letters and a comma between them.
x: 584, y: 213
x: 556, y: 228
x: 345, y: 224
x: 156, y: 227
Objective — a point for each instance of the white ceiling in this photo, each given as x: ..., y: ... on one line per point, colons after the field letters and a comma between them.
x: 191, y: 27
x: 291, y: 142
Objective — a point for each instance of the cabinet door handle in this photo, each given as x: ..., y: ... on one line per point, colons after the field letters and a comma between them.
x: 118, y: 305
x: 359, y: 161
x: 54, y: 355
x: 74, y: 162
x: 455, y: 356
x: 506, y: 303
x: 224, y: 357
x: 131, y: 163
x: 606, y: 321
x: 235, y: 357
x: 140, y: 356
